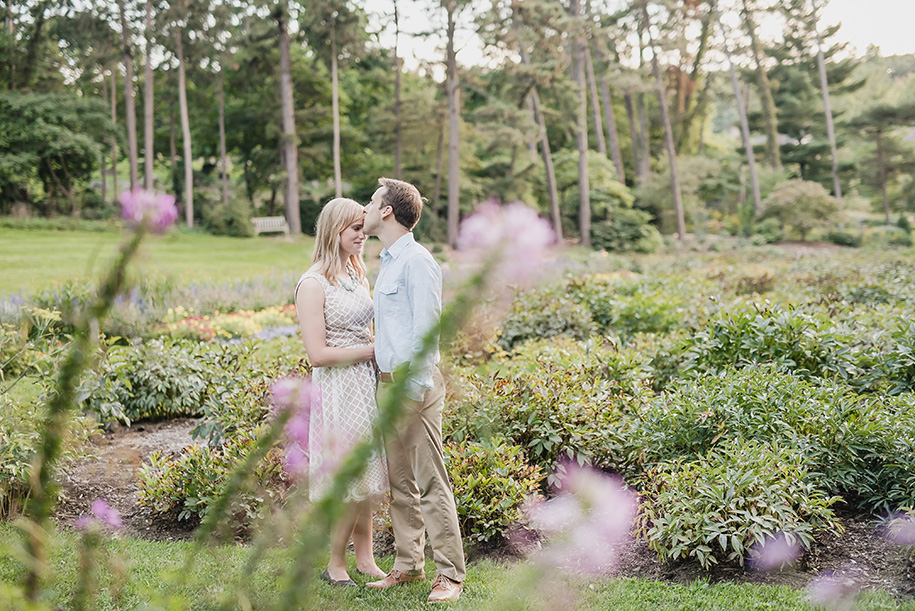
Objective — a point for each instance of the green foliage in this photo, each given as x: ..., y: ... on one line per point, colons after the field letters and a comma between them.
x: 185, y: 486
x: 857, y: 446
x: 767, y: 231
x: 21, y: 426
x: 716, y: 507
x: 229, y: 219
x: 544, y: 313
x: 801, y: 205
x: 791, y: 338
x: 844, y: 238
x: 886, y: 236
x: 626, y: 230
x: 492, y: 482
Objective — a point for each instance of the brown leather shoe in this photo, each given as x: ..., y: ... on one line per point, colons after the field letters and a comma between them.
x: 445, y: 589
x: 394, y: 578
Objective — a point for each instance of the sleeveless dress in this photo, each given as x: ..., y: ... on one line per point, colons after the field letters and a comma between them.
x: 344, y: 415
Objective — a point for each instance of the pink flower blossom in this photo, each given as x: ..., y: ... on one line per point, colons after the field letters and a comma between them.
x: 830, y: 592
x: 297, y: 396
x: 103, y: 515
x: 901, y: 531
x: 586, y: 523
x: 156, y: 209
x: 775, y: 552
x: 514, y: 233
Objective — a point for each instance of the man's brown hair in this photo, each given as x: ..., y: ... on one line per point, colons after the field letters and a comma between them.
x: 404, y: 199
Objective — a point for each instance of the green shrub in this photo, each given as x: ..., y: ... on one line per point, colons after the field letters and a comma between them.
x: 627, y: 230
x: 767, y: 231
x: 492, y: 482
x: 626, y: 305
x: 800, y: 204
x: 859, y: 446
x: 844, y: 238
x: 543, y: 313
x: 716, y: 507
x: 791, y: 338
x: 21, y: 424
x: 886, y: 236
x: 230, y: 219
x: 185, y: 485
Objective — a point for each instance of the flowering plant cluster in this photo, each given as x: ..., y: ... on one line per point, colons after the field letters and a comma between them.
x: 181, y: 322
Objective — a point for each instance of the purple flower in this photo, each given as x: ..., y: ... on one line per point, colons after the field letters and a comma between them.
x: 901, y: 530
x: 297, y: 396
x: 514, y: 233
x: 829, y: 591
x: 775, y: 552
x: 156, y: 209
x: 586, y: 523
x: 103, y: 515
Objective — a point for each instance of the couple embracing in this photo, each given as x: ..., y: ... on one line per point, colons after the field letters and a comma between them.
x: 336, y: 309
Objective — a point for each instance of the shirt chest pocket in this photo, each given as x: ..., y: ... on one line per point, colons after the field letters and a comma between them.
x: 388, y: 289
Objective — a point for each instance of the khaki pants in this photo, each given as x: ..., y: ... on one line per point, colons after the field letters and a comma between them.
x: 421, y: 497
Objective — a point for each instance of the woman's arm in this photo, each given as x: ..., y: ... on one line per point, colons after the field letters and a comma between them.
x: 309, y: 301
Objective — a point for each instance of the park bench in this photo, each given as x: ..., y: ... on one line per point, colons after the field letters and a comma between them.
x: 270, y: 224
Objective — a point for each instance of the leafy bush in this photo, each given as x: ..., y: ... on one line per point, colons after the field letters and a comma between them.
x: 792, y: 339
x: 230, y: 219
x: 185, y: 485
x: 844, y: 238
x: 859, y: 446
x: 767, y: 231
x: 717, y: 507
x: 544, y: 313
x: 627, y: 230
x: 491, y: 484
x: 886, y: 236
x: 627, y: 305
x: 801, y: 205
x: 158, y: 379
x: 20, y: 434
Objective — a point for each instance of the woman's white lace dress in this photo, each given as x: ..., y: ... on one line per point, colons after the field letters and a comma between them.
x: 343, y: 417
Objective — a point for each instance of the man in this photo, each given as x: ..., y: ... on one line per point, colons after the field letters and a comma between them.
x: 408, y: 304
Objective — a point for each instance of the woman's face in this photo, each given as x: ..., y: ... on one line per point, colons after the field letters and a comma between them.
x: 352, y: 239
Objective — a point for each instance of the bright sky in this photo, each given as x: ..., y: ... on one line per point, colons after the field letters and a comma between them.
x: 885, y: 23
x: 889, y: 24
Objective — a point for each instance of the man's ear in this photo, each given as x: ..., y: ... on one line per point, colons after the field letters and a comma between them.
x: 386, y: 212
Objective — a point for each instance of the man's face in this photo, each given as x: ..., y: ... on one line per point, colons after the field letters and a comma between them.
x: 373, y: 213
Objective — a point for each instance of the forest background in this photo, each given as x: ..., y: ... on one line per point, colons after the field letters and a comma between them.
x: 616, y: 119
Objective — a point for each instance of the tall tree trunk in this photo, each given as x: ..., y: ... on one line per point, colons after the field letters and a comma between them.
x: 644, y: 140
x: 398, y: 124
x: 148, y: 134
x: 102, y: 160
x: 584, y: 187
x: 173, y: 149
x: 668, y: 130
x: 185, y: 132
x: 881, y: 164
x: 223, y: 157
x: 129, y: 101
x: 290, y: 140
x: 454, y: 167
x: 742, y: 113
x: 595, y: 101
x: 692, y: 111
x: 546, y: 153
x: 824, y: 87
x: 633, y: 135
x: 613, y: 136
x: 770, y: 116
x: 114, y: 140
x: 335, y: 103
x: 439, y: 162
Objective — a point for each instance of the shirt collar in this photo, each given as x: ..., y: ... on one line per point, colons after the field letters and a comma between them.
x: 402, y: 243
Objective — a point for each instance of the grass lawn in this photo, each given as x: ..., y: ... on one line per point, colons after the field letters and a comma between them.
x: 150, y: 571
x: 33, y: 259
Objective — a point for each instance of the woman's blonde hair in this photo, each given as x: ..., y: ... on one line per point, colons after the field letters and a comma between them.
x: 336, y: 216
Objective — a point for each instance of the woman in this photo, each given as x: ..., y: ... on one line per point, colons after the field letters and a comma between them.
x: 335, y: 311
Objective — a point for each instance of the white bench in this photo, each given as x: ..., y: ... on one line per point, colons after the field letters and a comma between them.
x: 270, y: 224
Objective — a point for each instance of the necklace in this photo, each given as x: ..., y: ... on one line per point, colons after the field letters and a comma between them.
x: 352, y: 277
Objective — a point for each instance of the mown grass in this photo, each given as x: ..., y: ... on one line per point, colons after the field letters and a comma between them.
x: 150, y: 570
x: 31, y: 260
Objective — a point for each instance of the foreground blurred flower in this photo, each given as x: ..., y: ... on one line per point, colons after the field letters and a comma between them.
x: 586, y: 523
x: 828, y: 591
x: 901, y: 530
x: 513, y: 233
x: 297, y: 396
x: 775, y: 552
x: 156, y: 209
x: 103, y: 515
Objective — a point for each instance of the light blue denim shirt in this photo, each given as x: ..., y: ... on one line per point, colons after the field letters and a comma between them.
x: 408, y: 303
